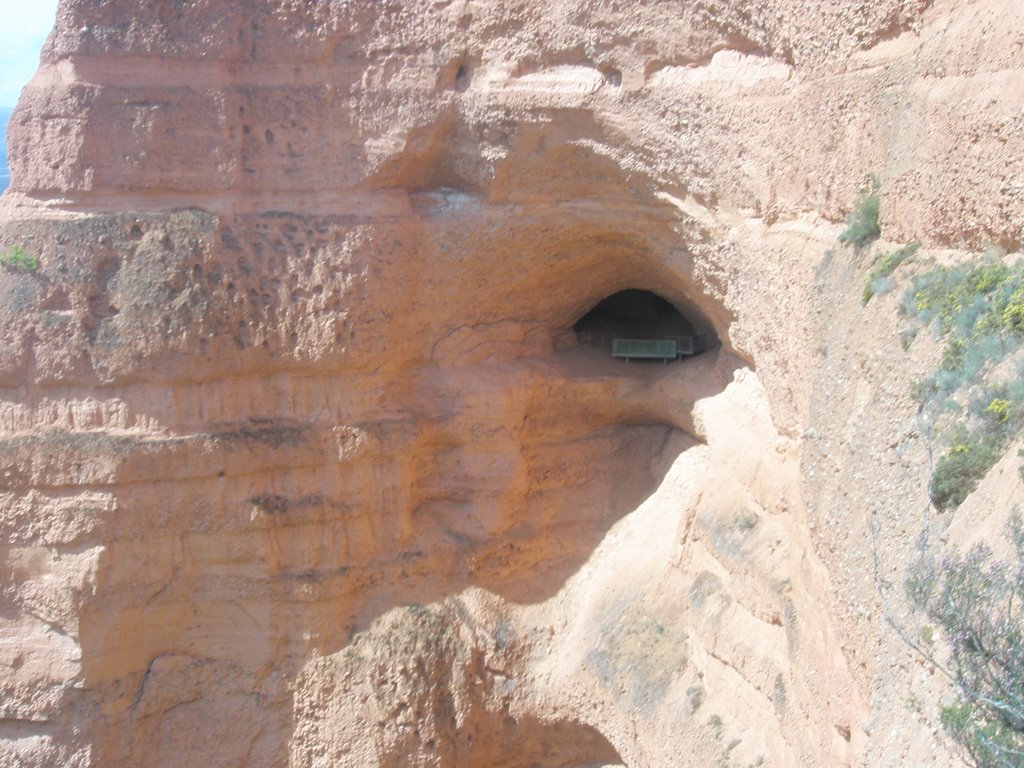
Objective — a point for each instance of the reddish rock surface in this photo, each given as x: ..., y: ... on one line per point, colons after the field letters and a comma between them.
x: 302, y: 463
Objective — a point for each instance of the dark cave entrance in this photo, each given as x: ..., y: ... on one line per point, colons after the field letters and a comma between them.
x: 641, y: 325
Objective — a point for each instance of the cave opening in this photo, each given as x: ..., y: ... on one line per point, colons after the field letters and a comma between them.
x: 638, y: 324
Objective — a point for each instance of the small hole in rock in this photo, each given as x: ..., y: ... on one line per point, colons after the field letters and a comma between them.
x: 612, y: 76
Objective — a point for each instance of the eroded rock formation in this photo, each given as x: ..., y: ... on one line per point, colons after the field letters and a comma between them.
x: 302, y: 461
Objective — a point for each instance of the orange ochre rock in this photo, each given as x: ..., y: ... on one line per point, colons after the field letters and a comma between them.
x: 302, y: 462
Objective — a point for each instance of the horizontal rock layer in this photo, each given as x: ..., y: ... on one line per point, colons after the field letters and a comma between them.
x: 302, y: 462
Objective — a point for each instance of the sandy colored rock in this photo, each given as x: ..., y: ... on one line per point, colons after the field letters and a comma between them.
x: 302, y: 463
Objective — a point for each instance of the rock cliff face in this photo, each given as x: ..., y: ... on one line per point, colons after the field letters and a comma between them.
x: 5, y: 115
x: 302, y: 462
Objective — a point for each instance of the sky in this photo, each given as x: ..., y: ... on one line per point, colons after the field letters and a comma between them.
x: 24, y: 25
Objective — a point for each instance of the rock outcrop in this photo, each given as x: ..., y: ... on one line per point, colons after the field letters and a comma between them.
x: 5, y: 176
x: 302, y: 462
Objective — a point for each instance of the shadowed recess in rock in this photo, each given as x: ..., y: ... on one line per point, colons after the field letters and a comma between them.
x: 531, y: 743
x: 524, y: 742
x: 635, y: 315
x: 442, y: 677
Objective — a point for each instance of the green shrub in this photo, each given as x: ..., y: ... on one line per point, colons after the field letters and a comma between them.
x: 878, y: 279
x: 1012, y: 315
x: 999, y: 409
x: 977, y: 602
x: 971, y: 300
x: 961, y: 468
x: 16, y: 257
x: 862, y: 223
x: 995, y: 417
x: 978, y: 308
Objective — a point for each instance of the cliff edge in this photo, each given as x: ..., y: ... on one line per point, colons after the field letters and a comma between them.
x: 304, y: 462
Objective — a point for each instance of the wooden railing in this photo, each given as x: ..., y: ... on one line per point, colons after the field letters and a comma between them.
x: 665, y: 348
x: 649, y: 349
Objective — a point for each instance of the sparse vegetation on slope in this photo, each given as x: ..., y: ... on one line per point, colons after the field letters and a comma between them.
x: 15, y: 256
x: 879, y: 280
x: 979, y: 311
x: 977, y: 602
x: 976, y: 400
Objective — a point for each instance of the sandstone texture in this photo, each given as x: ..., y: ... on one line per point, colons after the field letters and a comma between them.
x: 301, y: 462
x: 5, y: 114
